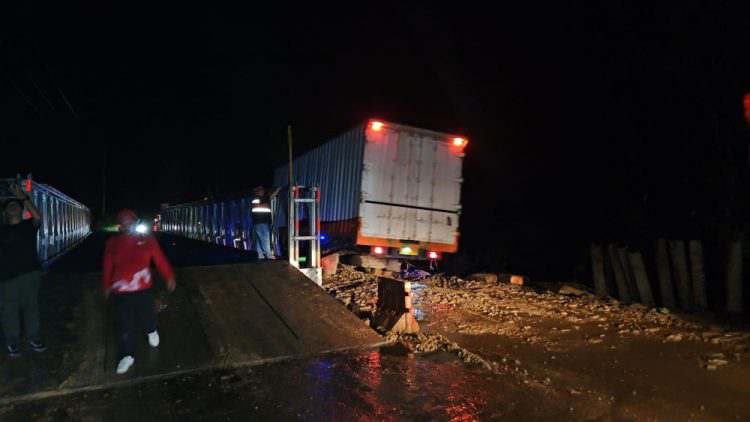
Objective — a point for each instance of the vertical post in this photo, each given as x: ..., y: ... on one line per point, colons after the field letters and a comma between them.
x: 622, y: 286
x: 734, y: 277
x: 291, y: 166
x: 292, y: 208
x: 665, y: 279
x: 641, y: 278
x: 314, y: 245
x: 681, y: 275
x: 627, y: 272
x: 597, y: 267
x: 317, y: 227
x: 104, y: 183
x: 292, y: 229
x: 695, y: 251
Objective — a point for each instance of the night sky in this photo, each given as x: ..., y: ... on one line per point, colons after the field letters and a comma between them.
x: 585, y: 122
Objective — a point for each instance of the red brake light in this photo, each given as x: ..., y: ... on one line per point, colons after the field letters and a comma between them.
x: 432, y: 255
x: 460, y: 142
x: 376, y: 126
x: 378, y: 250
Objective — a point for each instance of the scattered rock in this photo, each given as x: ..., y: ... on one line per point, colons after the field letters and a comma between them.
x: 674, y: 338
x: 638, y: 307
x: 488, y: 278
x: 425, y: 343
x: 573, y: 290
x: 518, y: 311
x: 517, y: 280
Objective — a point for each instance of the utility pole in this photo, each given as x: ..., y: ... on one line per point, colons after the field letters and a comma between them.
x: 104, y: 183
x: 291, y: 169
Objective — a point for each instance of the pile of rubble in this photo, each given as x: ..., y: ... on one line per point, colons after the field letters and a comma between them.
x: 355, y: 289
x: 516, y: 311
x: 512, y: 311
x: 428, y: 343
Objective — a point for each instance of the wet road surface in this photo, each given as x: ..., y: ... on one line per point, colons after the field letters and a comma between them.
x: 545, y: 367
x: 381, y: 384
x: 220, y: 315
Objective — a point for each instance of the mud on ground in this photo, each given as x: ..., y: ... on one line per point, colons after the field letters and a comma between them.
x: 608, y: 359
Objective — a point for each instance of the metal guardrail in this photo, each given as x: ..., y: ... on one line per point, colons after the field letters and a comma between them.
x: 223, y: 222
x: 65, y: 221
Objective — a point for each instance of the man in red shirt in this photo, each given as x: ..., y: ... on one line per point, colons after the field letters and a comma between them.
x: 127, y: 279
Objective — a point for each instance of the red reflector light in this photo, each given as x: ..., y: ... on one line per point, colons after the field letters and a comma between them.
x: 460, y: 142
x: 378, y: 250
x: 28, y: 185
x: 376, y: 126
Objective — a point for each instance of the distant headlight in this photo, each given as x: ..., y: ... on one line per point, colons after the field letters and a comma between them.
x: 141, y: 229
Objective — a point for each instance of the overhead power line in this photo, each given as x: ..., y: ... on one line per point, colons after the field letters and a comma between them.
x: 41, y: 92
x: 70, y: 107
x: 20, y: 92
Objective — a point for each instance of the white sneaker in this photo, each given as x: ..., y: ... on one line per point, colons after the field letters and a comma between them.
x: 125, y: 364
x: 153, y: 338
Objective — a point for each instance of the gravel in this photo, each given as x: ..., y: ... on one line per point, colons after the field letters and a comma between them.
x: 526, y: 313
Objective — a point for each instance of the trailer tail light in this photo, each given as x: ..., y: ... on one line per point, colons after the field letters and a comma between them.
x: 459, y: 142
x: 433, y: 255
x: 28, y: 185
x: 378, y: 250
x: 376, y: 126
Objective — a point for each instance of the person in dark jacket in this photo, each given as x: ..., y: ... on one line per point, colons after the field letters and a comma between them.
x: 127, y: 279
x: 260, y: 209
x: 20, y: 273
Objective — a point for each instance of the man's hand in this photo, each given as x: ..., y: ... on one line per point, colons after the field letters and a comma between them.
x: 27, y: 203
x: 18, y: 192
x: 171, y: 285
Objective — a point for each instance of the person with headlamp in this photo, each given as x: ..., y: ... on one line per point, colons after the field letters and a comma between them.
x: 127, y: 283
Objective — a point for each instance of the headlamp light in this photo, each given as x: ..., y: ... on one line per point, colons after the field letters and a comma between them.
x: 141, y: 228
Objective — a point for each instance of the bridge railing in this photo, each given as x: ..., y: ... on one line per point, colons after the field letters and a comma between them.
x: 65, y: 221
x: 223, y: 222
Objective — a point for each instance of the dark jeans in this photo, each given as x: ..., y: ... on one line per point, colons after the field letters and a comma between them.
x: 20, y: 294
x: 132, y: 310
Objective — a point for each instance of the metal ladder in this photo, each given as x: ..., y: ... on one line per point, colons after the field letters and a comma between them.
x: 299, y: 196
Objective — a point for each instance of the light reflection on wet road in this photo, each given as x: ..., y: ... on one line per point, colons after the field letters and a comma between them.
x: 384, y: 384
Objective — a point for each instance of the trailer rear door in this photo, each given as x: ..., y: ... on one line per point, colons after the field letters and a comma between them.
x: 411, y: 185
